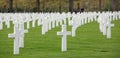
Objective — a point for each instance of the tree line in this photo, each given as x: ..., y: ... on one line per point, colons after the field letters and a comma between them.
x: 70, y: 7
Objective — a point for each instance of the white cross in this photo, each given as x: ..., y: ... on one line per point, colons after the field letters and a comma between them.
x: 53, y: 21
x: 75, y: 23
x: 39, y: 21
x: 49, y: 24
x: 33, y: 23
x: 44, y: 26
x: 104, y: 27
x: 57, y: 22
x: 21, y: 36
x: 109, y: 30
x: 18, y: 35
x: 64, y: 34
x: 1, y: 24
x: 7, y: 20
x: 28, y: 20
x: 7, y: 23
x: 15, y: 35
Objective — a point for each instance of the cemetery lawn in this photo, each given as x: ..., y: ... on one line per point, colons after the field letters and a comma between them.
x: 88, y: 43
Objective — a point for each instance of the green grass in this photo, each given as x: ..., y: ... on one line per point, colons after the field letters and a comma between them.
x: 88, y: 43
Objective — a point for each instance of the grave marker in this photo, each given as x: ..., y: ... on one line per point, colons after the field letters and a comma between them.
x: 109, y: 25
x: 15, y: 35
x: 64, y: 34
x: 21, y: 36
x: 1, y: 24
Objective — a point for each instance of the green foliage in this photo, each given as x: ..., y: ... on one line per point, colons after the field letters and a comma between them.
x: 53, y: 5
x: 108, y: 7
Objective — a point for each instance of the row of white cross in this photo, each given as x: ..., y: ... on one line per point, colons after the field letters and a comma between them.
x: 52, y: 20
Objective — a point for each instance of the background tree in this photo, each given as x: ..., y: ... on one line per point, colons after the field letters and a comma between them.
x: 115, y: 4
x: 71, y: 5
x: 43, y: 5
x: 37, y: 5
x: 59, y: 5
x: 16, y: 6
x: 10, y: 5
x: 100, y: 6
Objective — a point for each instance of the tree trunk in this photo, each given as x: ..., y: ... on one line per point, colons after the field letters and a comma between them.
x: 37, y: 5
x: 113, y: 5
x: 60, y: 6
x: 43, y: 5
x: 16, y: 9
x: 29, y: 4
x: 71, y: 6
x: 10, y: 5
x: 100, y: 6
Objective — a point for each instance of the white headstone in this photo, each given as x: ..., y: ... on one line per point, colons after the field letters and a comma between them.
x: 75, y: 23
x: 15, y: 35
x: 39, y: 21
x: 64, y: 34
x: 8, y: 23
x: 28, y: 20
x: 21, y: 35
x: 53, y: 23
x: 33, y: 23
x: 49, y: 24
x: 7, y: 19
x: 109, y: 29
x: 44, y: 26
x: 104, y: 26
x: 1, y: 24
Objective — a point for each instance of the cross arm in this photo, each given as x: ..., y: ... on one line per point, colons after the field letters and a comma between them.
x: 68, y: 33
x: 59, y: 33
x: 25, y: 31
x: 11, y: 35
x: 112, y: 25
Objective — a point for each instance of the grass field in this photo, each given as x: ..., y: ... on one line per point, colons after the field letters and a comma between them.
x: 88, y: 43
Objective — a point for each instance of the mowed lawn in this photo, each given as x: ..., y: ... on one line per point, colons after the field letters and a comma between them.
x: 88, y: 43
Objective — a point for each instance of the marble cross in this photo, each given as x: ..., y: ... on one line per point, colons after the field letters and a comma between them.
x: 44, y: 26
x: 7, y: 20
x: 21, y: 34
x: 33, y: 22
x: 1, y: 24
x: 28, y: 20
x: 64, y: 34
x: 15, y: 35
x: 75, y: 23
x: 104, y: 26
x: 109, y: 25
x: 53, y: 22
